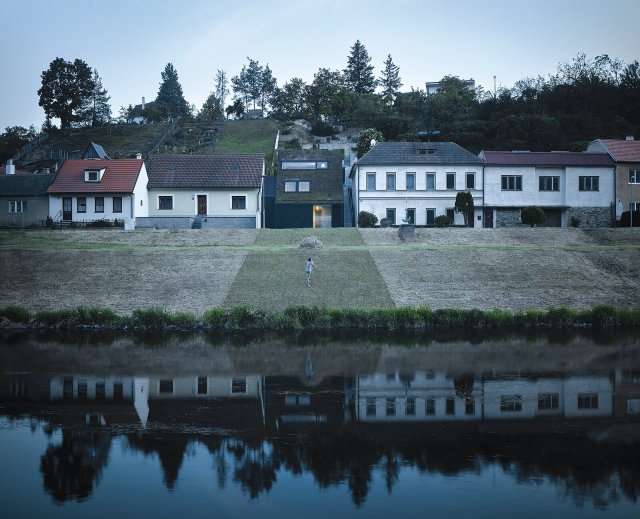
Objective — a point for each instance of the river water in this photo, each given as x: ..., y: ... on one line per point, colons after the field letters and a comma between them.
x: 93, y: 425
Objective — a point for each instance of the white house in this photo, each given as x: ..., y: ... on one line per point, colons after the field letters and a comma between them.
x: 568, y: 186
x: 90, y: 190
x: 416, y: 181
x: 198, y: 191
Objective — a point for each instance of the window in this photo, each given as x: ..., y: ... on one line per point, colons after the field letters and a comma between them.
x: 238, y: 385
x: 323, y: 164
x: 165, y: 202
x: 290, y: 186
x: 117, y: 204
x: 411, y: 406
x: 82, y: 204
x: 548, y: 401
x: 239, y: 202
x: 634, y: 176
x: 203, y: 385
x: 17, y: 206
x: 391, y: 181
x: 431, y: 181
x: 587, y: 400
x: 101, y: 391
x: 391, y: 215
x: 451, y: 180
x: 371, y: 181
x: 451, y: 214
x: 431, y: 216
x: 118, y: 391
x: 430, y: 406
x: 304, y: 186
x: 82, y: 391
x: 92, y: 176
x: 410, y: 216
x: 549, y: 183
x: 371, y: 406
x: 99, y: 204
x: 165, y: 387
x: 510, y: 403
x: 426, y: 151
x: 450, y: 406
x: 471, y: 180
x: 300, y: 164
x: 633, y: 406
x: 391, y: 406
x: 588, y: 184
x: 411, y: 181
x: 470, y: 407
x: 511, y: 182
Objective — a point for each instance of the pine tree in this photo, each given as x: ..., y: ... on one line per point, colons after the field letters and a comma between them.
x: 359, y: 72
x: 269, y: 86
x: 211, y: 109
x: 170, y: 101
x: 390, y: 81
x: 96, y: 111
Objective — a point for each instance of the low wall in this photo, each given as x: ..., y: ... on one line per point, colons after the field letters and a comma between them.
x: 590, y: 216
x: 186, y: 222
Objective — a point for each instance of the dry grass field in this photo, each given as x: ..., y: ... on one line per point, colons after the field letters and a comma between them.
x: 194, y: 270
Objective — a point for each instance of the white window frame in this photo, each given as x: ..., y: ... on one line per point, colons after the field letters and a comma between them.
x: 634, y: 176
x: 113, y: 204
x: 163, y: 208
x: 585, y: 183
x: 410, y: 174
x: 17, y: 206
x: 78, y: 210
x: 427, y: 181
x: 95, y: 204
x: 231, y: 197
x: 304, y: 186
x: 368, y: 176
x: 554, y: 180
x: 517, y: 179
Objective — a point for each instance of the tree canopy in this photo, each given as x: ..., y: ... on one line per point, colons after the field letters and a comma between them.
x: 390, y: 81
x: 170, y: 102
x: 66, y: 87
x: 359, y: 72
x: 96, y: 110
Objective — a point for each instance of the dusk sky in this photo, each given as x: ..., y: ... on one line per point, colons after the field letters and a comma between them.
x: 129, y: 42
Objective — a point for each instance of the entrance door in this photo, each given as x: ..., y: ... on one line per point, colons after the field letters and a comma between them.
x: 202, y: 204
x: 67, y: 208
x: 488, y: 218
x: 321, y: 216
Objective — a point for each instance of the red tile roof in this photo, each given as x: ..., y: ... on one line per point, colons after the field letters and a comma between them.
x: 120, y: 176
x: 240, y: 170
x: 545, y: 158
x: 622, y: 151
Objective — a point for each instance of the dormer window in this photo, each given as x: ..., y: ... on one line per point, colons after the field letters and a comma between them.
x: 93, y: 175
x: 426, y: 151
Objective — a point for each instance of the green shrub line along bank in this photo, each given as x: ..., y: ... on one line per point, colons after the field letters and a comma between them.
x: 246, y: 318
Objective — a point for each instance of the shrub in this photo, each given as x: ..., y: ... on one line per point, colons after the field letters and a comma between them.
x: 367, y: 219
x: 533, y: 215
x: 215, y: 317
x: 184, y: 320
x: 15, y: 314
x: 604, y: 316
x: 49, y: 223
x: 322, y: 129
x: 560, y: 317
x: 442, y: 221
x: 151, y: 318
x: 575, y: 221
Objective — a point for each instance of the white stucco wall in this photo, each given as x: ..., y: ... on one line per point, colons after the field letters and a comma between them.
x: 55, y: 207
x: 185, y: 202
x: 377, y: 201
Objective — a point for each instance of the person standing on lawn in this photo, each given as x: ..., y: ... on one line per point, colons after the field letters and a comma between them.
x: 309, y: 269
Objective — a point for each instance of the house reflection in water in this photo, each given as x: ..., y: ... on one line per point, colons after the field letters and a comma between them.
x: 246, y: 422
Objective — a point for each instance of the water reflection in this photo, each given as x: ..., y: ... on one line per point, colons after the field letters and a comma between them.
x: 257, y: 417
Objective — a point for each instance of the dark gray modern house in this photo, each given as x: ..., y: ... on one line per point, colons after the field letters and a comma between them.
x: 306, y: 190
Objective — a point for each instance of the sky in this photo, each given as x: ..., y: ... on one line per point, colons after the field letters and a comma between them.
x: 129, y: 42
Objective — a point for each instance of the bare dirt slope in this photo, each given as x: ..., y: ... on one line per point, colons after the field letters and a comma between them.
x: 509, y: 268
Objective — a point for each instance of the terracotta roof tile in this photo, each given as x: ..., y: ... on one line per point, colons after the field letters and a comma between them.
x: 545, y: 158
x: 623, y: 151
x: 240, y: 170
x: 120, y: 176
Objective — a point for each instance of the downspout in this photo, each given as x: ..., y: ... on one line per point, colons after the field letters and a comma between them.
x: 483, y: 211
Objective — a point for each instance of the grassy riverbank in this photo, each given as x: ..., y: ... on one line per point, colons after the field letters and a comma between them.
x: 192, y: 271
x: 245, y: 318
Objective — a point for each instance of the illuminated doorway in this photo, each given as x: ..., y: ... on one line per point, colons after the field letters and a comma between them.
x: 321, y: 216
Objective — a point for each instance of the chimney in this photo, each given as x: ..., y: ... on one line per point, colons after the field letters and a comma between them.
x: 629, y: 138
x: 142, y: 106
x: 139, y: 155
x: 11, y: 168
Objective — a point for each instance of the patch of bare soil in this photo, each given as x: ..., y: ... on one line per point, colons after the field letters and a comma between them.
x: 504, y: 268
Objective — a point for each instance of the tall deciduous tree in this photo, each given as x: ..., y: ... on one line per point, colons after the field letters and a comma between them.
x: 390, y: 81
x: 289, y: 102
x: 12, y: 139
x: 359, y: 71
x: 170, y: 102
x: 66, y: 86
x: 96, y: 111
x: 328, y: 96
x: 268, y: 87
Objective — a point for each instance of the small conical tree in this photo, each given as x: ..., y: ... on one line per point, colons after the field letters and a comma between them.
x: 359, y: 72
x: 390, y: 81
x: 170, y: 102
x: 464, y: 205
x: 96, y: 110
